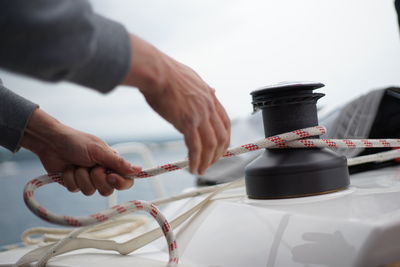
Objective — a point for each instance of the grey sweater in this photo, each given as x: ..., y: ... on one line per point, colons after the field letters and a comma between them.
x: 56, y: 40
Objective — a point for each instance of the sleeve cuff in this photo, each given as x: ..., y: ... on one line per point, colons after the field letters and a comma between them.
x: 110, y: 61
x: 15, y: 112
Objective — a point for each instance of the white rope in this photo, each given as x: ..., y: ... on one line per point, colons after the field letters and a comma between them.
x: 377, y: 157
x: 105, y: 230
x: 73, y: 242
x: 294, y: 139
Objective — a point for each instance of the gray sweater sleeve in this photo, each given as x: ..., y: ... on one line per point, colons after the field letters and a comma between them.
x: 56, y: 40
x: 15, y: 112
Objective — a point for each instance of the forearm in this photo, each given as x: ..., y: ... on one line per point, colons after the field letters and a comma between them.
x: 181, y: 97
x: 15, y: 112
x: 56, y: 40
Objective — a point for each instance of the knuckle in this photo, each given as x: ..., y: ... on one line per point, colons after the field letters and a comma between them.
x: 98, y: 172
x: 120, y: 161
x: 210, y: 142
x: 190, y: 122
x: 209, y: 106
x: 95, y: 173
x: 221, y: 138
x: 96, y: 148
x: 80, y: 173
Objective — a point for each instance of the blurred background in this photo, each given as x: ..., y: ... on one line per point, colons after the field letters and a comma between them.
x: 352, y: 46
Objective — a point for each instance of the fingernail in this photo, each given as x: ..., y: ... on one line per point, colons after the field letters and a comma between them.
x: 135, y: 168
x: 76, y: 190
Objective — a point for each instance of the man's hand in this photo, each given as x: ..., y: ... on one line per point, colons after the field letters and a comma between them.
x: 83, y: 159
x: 181, y: 97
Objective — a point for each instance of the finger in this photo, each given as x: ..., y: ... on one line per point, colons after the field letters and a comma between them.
x: 83, y: 181
x: 119, y: 182
x: 208, y: 144
x: 114, y: 151
x: 222, y: 113
x: 109, y: 159
x: 192, y: 140
x: 98, y: 179
x: 226, y: 121
x: 221, y: 134
x: 68, y: 178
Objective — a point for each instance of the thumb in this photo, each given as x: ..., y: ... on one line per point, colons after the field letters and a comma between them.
x: 115, y: 162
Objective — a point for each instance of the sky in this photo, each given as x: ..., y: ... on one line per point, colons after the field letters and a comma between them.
x: 237, y: 46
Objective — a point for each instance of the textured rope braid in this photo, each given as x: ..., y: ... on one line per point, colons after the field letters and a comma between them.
x: 73, y: 242
x: 273, y: 141
x: 108, y: 229
x: 294, y: 139
x: 116, y: 211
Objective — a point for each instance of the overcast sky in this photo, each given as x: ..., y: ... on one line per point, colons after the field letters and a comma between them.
x: 352, y: 46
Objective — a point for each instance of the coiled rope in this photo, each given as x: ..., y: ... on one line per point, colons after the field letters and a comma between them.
x: 294, y: 139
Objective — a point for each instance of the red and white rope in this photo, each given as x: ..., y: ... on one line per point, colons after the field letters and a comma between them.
x: 116, y: 211
x: 279, y: 141
x: 294, y: 139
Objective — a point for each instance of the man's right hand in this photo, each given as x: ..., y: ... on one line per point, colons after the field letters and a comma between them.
x: 181, y: 97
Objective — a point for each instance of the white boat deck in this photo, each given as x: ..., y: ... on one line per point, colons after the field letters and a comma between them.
x: 356, y: 227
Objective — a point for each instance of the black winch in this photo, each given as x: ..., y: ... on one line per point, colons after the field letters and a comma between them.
x: 292, y: 172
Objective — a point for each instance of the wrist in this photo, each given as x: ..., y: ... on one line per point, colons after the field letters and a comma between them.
x: 148, y: 66
x: 41, y: 132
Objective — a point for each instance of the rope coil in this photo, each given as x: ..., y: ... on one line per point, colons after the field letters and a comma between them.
x: 295, y: 139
